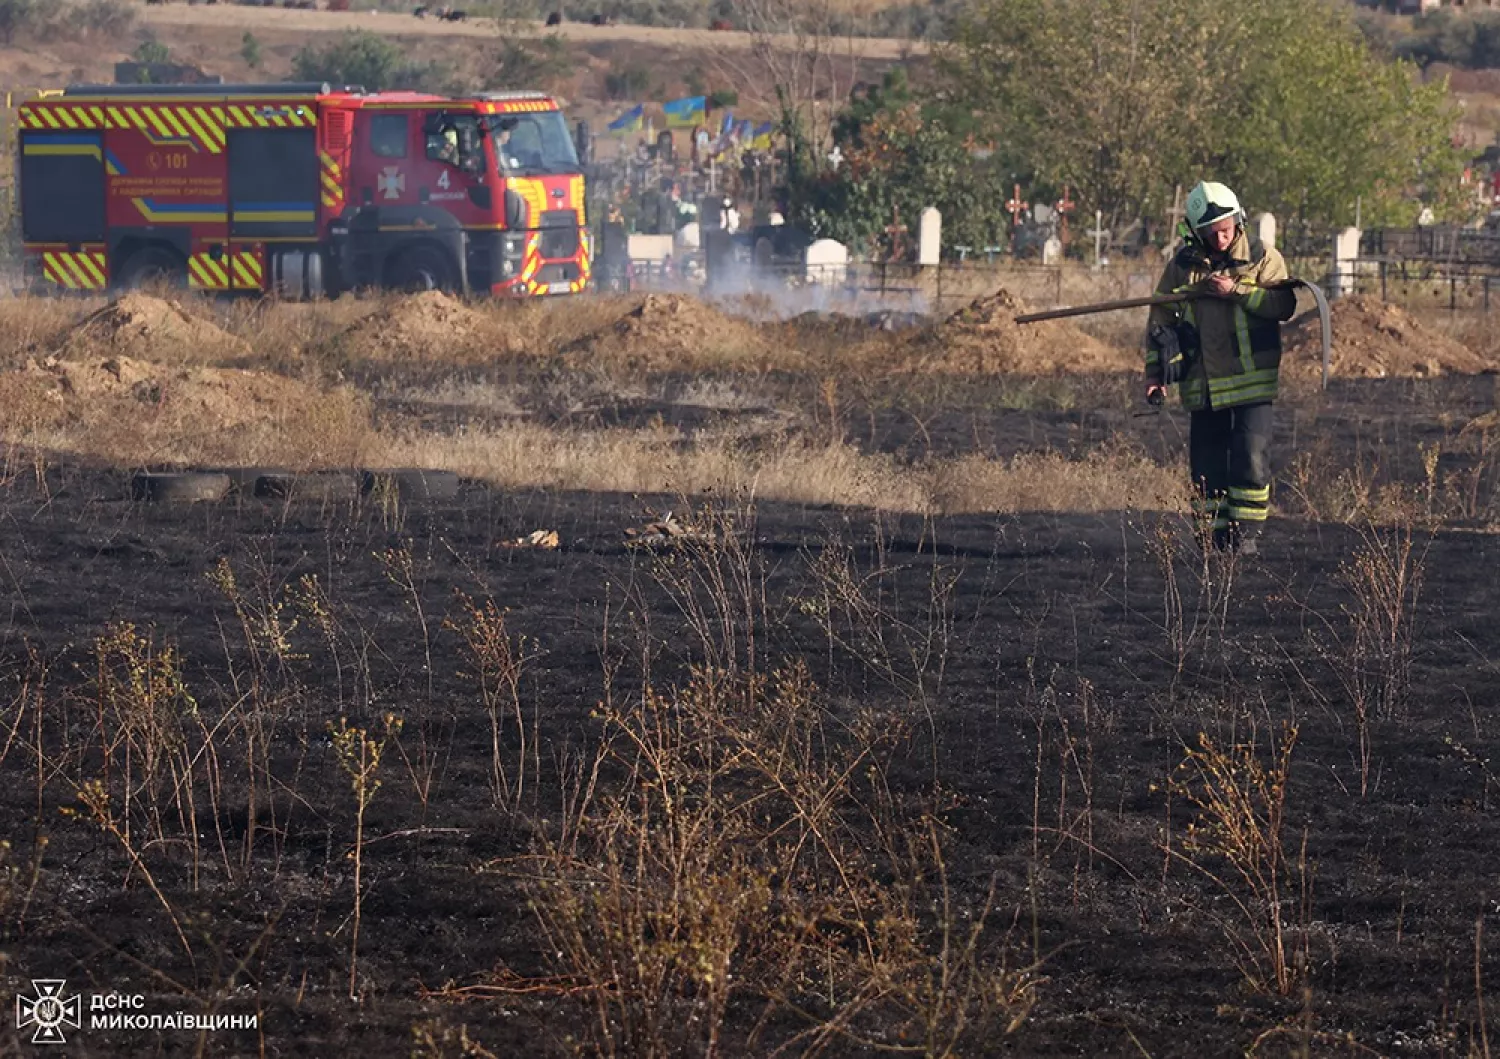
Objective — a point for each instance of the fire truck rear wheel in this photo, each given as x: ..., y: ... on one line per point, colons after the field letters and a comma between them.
x: 152, y: 266
x: 422, y: 268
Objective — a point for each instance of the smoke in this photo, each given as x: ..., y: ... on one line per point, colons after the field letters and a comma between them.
x: 766, y: 293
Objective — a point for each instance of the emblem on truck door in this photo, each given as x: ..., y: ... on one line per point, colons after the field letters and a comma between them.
x: 391, y: 182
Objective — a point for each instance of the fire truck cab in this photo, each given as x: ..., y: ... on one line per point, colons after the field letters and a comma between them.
x: 302, y: 190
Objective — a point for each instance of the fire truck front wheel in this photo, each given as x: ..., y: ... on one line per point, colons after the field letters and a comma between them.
x: 422, y: 267
x: 152, y: 266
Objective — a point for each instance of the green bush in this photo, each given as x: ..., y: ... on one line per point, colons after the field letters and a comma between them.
x: 627, y: 82
x: 529, y: 62
x: 250, y: 50
x: 151, y: 50
x: 361, y: 58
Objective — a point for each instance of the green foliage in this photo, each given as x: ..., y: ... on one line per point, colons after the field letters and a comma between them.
x: 720, y: 98
x: 896, y: 163
x: 152, y: 50
x: 363, y: 58
x: 529, y: 62
x: 627, y: 82
x: 1462, y: 39
x: 250, y: 50
x: 1125, y: 99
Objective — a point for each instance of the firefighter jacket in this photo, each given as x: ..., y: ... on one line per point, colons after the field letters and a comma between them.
x: 1238, y: 356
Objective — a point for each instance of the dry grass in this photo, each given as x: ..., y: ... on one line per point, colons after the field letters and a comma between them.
x: 791, y: 468
x: 264, y: 384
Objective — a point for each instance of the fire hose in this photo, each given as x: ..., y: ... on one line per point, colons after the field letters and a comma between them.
x: 1324, y: 317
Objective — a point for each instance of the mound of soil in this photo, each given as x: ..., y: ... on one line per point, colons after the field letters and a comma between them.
x: 215, y: 398
x: 427, y: 326
x: 123, y: 409
x: 143, y: 326
x: 667, y: 331
x: 984, y: 337
x: 1374, y: 340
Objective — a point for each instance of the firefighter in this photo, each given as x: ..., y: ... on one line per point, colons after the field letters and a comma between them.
x: 1223, y: 352
x: 449, y: 151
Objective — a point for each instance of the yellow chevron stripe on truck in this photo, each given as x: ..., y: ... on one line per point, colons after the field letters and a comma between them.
x: 196, y: 124
x: 76, y: 269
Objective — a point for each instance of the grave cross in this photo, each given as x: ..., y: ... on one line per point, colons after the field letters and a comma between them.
x: 1015, y: 206
x: 1098, y: 232
x: 1065, y: 206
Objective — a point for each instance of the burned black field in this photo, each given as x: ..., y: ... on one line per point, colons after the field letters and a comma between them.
x: 806, y: 780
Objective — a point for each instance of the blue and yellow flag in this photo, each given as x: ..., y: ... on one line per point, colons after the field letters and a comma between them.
x: 761, y: 141
x: 686, y: 112
x: 631, y: 120
x: 726, y: 126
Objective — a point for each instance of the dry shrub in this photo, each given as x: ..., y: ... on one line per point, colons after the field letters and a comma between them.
x: 753, y: 860
x: 292, y: 336
x: 1369, y: 648
x: 29, y: 324
x: 1236, y: 840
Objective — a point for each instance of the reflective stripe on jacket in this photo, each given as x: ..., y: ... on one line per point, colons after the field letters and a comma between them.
x: 1239, y: 335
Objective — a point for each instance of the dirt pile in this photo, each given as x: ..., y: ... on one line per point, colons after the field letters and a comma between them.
x: 427, y: 326
x: 127, y: 408
x: 667, y: 331
x: 984, y: 337
x: 216, y: 398
x: 142, y: 326
x: 1374, y: 340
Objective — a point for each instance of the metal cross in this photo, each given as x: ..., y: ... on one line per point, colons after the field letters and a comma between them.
x: 1098, y: 232
x: 1015, y: 206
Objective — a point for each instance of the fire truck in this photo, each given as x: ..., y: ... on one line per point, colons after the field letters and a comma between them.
x: 302, y: 190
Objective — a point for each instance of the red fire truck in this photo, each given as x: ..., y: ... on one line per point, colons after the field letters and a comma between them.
x: 300, y: 189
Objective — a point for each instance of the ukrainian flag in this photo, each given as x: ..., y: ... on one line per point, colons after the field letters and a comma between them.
x: 727, y: 125
x: 631, y: 120
x: 761, y: 141
x: 686, y: 112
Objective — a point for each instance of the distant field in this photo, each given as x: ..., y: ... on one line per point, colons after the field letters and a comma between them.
x: 243, y: 18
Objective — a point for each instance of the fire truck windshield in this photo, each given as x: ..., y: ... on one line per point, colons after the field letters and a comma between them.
x: 535, y: 144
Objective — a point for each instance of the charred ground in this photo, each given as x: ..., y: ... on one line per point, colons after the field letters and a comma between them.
x: 1020, y: 718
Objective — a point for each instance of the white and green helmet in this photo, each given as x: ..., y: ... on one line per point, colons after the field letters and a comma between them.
x: 1209, y: 202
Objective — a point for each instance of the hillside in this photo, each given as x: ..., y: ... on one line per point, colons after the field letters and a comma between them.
x: 666, y: 61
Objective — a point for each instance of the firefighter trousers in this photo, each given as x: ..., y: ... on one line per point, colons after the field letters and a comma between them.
x: 1229, y: 454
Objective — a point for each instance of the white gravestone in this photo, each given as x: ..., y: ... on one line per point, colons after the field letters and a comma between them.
x: 929, y: 236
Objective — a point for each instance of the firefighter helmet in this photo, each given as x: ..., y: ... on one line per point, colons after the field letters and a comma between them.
x: 1209, y: 202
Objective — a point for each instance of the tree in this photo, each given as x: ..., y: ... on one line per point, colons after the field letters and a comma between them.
x: 524, y: 62
x: 894, y: 163
x: 1123, y: 99
x: 359, y: 57
x: 250, y: 50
